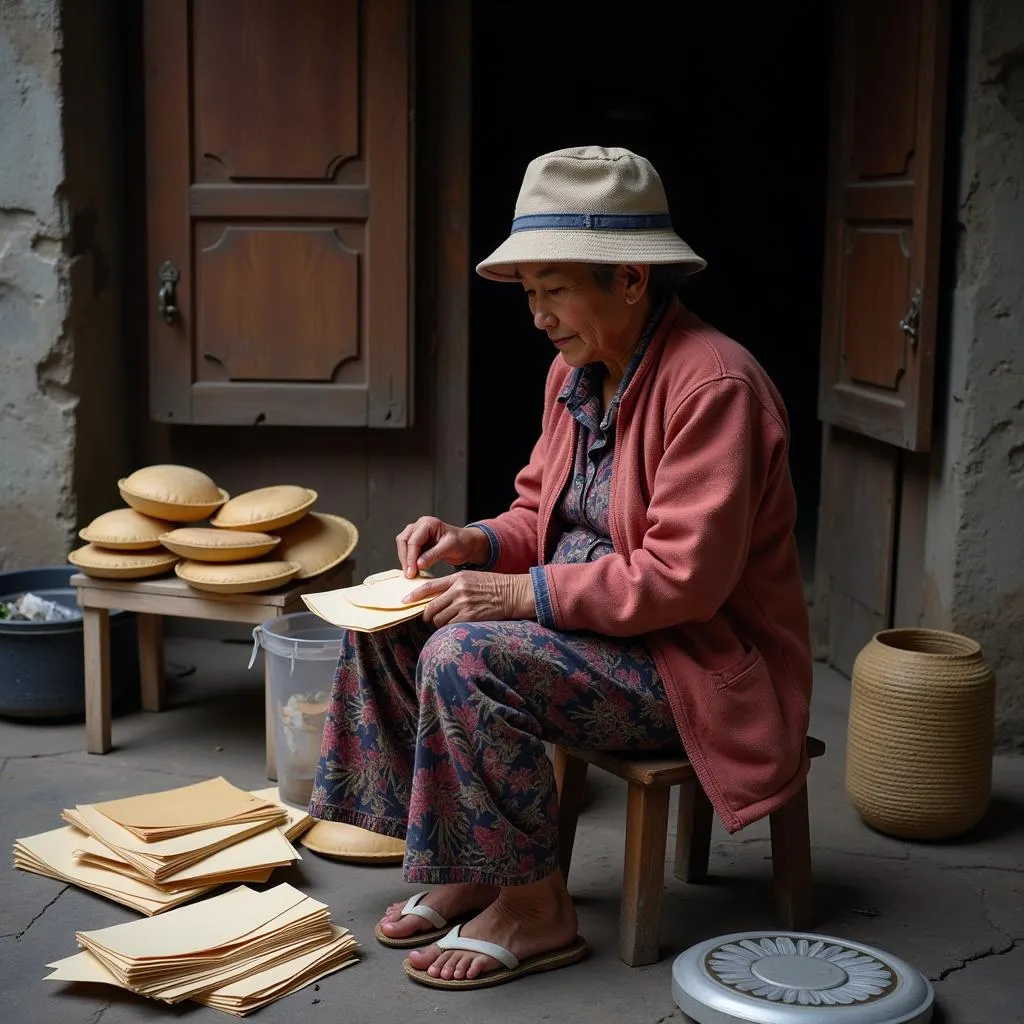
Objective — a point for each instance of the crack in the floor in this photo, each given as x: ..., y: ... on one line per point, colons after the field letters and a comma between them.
x: 43, y: 757
x: 863, y: 853
x: 3, y: 764
x: 992, y: 924
x: 94, y: 1019
x: 89, y: 763
x: 63, y: 890
x: 722, y: 847
x: 977, y: 867
x: 985, y: 954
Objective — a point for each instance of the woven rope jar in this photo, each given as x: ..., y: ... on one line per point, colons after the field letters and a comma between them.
x: 920, y: 733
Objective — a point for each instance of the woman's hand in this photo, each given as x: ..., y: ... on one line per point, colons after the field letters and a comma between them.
x: 429, y: 541
x: 476, y: 597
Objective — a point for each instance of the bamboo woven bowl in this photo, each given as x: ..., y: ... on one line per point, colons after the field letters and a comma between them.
x: 920, y: 733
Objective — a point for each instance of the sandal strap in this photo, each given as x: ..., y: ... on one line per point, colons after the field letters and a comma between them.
x: 458, y: 942
x: 427, y: 913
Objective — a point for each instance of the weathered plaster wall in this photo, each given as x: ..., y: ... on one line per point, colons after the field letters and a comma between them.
x: 37, y: 409
x: 974, y: 561
x: 61, y: 442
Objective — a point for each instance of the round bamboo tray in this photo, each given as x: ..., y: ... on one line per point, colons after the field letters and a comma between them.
x: 920, y: 733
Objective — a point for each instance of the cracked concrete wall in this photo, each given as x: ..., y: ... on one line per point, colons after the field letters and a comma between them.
x: 974, y: 559
x: 60, y: 441
x: 37, y: 413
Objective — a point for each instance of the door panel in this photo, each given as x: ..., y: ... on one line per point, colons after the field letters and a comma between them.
x: 857, y: 528
x: 877, y: 263
x: 880, y: 302
x: 279, y: 169
x: 272, y: 303
x: 277, y: 89
x: 882, y: 245
x: 883, y: 101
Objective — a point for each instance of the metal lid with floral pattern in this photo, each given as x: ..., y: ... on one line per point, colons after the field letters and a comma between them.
x: 797, y: 978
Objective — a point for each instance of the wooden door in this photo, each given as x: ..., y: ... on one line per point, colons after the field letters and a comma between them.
x: 880, y: 303
x: 278, y: 204
x: 884, y: 206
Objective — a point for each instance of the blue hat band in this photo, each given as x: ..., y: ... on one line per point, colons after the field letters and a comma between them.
x: 593, y: 221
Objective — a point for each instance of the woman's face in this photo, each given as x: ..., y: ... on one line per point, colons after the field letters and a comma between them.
x: 585, y: 322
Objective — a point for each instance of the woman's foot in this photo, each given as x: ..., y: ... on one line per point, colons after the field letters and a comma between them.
x: 450, y: 901
x: 525, y: 919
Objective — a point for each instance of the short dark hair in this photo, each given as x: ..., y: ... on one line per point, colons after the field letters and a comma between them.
x: 665, y: 279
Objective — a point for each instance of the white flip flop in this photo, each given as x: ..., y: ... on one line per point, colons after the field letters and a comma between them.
x: 511, y: 968
x: 423, y: 938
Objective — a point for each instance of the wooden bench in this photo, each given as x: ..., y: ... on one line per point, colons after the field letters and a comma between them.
x: 151, y: 600
x: 650, y: 782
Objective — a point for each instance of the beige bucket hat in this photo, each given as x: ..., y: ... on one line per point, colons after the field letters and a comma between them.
x: 590, y: 204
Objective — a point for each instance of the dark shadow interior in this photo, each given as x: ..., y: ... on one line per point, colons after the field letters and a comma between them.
x: 732, y: 109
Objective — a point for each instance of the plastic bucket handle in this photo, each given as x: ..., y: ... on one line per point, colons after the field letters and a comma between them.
x: 257, y: 642
x: 292, y: 648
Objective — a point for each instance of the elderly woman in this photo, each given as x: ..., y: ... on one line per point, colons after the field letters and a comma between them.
x: 642, y: 593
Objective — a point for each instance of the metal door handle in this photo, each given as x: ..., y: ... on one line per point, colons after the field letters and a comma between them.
x: 166, y: 297
x: 908, y: 325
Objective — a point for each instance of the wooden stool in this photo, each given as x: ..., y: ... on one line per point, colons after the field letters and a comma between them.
x: 151, y: 600
x: 650, y: 782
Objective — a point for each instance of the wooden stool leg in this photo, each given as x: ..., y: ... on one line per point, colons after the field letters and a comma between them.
x: 791, y: 863
x: 151, y: 661
x: 570, y: 780
x: 693, y: 833
x: 269, y: 710
x: 96, y: 652
x: 643, y: 874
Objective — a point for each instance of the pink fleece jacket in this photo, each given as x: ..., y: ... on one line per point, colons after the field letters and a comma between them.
x: 705, y: 561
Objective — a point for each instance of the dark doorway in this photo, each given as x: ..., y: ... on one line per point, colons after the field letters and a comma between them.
x: 732, y: 109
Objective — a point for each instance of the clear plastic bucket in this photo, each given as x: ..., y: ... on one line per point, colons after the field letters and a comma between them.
x: 302, y: 652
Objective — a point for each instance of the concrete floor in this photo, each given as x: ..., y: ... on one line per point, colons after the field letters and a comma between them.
x: 954, y: 910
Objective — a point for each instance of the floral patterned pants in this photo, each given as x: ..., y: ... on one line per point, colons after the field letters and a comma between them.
x: 436, y: 736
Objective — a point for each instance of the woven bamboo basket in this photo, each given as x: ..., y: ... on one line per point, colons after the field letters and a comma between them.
x: 920, y: 733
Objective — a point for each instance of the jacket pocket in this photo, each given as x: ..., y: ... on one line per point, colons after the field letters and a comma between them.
x: 752, y: 663
x: 748, y: 739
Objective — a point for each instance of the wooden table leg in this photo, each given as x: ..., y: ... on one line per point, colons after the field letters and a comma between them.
x: 693, y: 833
x: 151, y: 661
x: 269, y: 705
x: 791, y: 863
x: 643, y: 874
x: 96, y: 650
